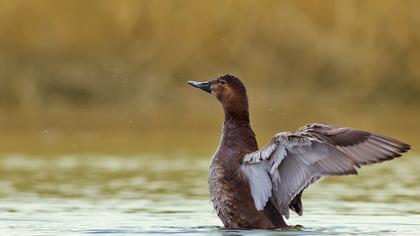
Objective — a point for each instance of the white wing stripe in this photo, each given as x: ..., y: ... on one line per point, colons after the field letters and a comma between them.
x: 278, y: 157
x: 260, y: 183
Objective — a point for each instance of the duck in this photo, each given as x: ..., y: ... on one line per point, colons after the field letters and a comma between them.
x: 255, y: 188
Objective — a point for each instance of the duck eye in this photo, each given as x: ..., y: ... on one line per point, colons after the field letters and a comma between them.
x: 222, y: 82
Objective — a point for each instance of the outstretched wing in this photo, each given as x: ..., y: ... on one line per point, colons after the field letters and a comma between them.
x: 293, y: 161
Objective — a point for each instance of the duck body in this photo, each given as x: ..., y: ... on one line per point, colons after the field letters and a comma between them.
x: 229, y: 188
x: 253, y: 188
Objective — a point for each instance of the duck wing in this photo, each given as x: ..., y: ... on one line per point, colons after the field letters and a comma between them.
x: 281, y: 170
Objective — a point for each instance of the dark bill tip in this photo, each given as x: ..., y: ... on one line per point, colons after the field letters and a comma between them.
x: 205, y: 86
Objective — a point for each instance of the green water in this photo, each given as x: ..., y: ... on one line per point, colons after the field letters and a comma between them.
x: 167, y: 194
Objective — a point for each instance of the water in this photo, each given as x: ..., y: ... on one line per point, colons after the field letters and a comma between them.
x: 167, y: 194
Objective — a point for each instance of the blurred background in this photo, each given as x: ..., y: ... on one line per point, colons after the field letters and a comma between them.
x: 100, y: 133
x: 110, y: 76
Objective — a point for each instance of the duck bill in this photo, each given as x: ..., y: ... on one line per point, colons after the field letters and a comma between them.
x: 205, y: 86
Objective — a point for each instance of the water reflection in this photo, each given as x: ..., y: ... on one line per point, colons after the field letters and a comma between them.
x: 160, y: 195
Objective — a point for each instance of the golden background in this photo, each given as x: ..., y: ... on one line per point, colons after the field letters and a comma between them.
x: 110, y: 76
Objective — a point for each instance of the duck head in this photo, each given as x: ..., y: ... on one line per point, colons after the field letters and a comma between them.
x: 231, y: 93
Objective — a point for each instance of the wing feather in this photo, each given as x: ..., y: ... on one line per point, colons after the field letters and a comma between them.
x: 292, y: 161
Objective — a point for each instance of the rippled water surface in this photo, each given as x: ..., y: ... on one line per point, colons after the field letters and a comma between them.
x: 161, y: 195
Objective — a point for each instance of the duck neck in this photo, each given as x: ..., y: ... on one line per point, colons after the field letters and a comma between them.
x: 238, y: 117
x: 237, y: 111
x: 237, y: 131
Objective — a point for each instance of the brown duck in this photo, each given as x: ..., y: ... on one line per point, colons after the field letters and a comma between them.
x: 254, y: 188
